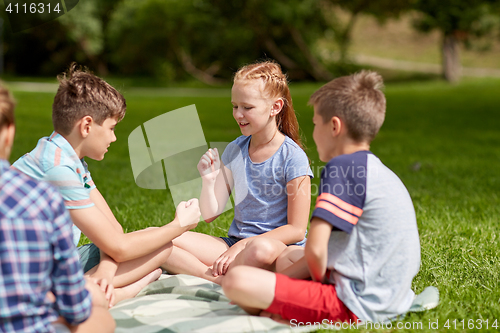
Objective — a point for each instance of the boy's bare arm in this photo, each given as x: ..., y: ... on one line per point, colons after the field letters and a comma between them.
x: 123, y: 247
x: 316, y: 251
x: 107, y: 266
x: 103, y: 206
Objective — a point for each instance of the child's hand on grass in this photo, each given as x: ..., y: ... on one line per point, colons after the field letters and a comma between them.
x: 188, y: 213
x: 209, y: 165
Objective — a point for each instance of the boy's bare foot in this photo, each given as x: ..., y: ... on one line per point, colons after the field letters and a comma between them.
x: 134, y: 288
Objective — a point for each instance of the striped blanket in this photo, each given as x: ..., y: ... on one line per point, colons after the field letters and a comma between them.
x: 183, y: 303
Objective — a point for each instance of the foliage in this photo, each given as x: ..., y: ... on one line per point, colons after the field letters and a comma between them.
x: 78, y: 35
x: 53, y: 50
x: 283, y: 30
x: 212, y: 38
x: 162, y: 36
x: 342, y: 28
x: 465, y: 18
x: 173, y: 39
x: 85, y: 27
x: 459, y: 21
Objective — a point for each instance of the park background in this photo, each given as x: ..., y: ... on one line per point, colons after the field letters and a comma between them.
x: 440, y: 61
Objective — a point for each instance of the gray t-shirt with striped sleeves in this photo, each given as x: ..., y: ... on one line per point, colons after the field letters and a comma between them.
x: 374, y: 248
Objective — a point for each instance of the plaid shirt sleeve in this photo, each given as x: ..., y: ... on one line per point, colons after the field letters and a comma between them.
x: 72, y: 299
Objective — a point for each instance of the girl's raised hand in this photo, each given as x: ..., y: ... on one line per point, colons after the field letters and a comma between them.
x: 209, y: 165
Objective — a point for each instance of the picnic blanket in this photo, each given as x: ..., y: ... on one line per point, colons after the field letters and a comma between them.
x: 184, y: 303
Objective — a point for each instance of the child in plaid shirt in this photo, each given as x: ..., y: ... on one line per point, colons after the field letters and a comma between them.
x: 42, y: 288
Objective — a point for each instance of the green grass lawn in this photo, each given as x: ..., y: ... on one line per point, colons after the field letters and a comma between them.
x: 443, y: 141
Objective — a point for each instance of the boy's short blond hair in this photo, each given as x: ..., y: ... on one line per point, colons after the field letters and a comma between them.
x: 7, y: 105
x: 357, y: 100
x: 81, y: 94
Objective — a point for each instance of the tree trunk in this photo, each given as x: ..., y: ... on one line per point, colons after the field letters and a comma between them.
x: 319, y: 72
x: 206, y: 76
x: 344, y: 38
x: 276, y: 52
x: 451, y: 58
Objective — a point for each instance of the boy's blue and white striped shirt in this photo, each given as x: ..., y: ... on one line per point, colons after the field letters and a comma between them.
x: 54, y: 160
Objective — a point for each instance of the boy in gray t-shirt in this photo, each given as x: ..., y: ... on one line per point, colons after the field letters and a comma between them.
x: 363, y: 248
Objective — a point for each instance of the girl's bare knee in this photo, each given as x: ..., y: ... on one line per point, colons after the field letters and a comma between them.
x: 262, y: 251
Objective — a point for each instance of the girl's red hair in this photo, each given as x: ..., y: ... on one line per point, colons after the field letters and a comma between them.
x: 276, y: 85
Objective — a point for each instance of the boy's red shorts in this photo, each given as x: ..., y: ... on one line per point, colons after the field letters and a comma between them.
x: 308, y: 301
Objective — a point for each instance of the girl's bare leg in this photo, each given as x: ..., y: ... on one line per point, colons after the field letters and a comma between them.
x: 260, y: 252
x: 194, y: 254
x: 287, y: 258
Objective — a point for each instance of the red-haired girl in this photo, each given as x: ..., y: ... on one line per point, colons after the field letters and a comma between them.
x: 268, y: 173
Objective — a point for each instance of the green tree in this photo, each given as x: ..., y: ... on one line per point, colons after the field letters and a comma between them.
x: 342, y: 28
x: 458, y: 21
x: 80, y: 35
x: 84, y: 27
x: 160, y: 37
x: 210, y: 39
x: 42, y: 50
x: 284, y: 29
x: 87, y: 26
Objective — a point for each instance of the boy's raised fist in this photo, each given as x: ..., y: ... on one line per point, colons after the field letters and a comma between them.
x: 188, y: 213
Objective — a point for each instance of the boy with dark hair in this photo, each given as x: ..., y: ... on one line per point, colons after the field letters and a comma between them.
x: 363, y: 247
x: 41, y: 283
x: 86, y: 110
